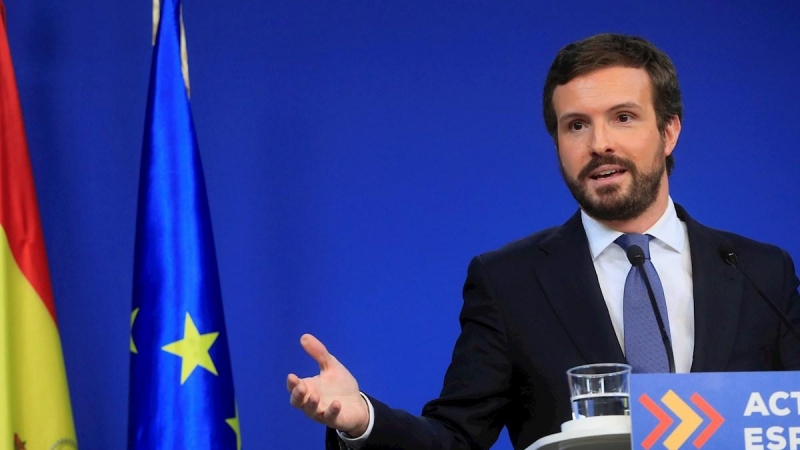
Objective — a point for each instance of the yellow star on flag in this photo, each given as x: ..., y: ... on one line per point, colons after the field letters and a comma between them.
x: 193, y: 349
x: 133, y: 319
x: 233, y: 422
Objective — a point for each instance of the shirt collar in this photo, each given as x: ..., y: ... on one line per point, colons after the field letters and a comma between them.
x: 667, y: 229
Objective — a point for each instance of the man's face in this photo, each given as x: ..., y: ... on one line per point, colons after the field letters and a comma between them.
x: 611, y: 153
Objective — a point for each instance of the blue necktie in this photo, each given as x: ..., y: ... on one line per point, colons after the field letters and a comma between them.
x: 644, y: 347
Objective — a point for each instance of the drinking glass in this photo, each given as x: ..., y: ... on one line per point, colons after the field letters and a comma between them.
x: 599, y: 390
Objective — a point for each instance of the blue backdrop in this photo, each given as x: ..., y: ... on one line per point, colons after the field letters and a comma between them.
x: 357, y: 155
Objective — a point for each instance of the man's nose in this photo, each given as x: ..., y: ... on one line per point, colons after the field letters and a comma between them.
x: 601, y: 141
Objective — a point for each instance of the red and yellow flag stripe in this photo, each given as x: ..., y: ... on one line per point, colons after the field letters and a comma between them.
x: 35, y: 410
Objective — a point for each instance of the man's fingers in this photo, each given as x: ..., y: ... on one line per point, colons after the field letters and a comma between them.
x: 331, y: 414
x: 292, y: 381
x: 316, y: 350
x: 305, y: 399
x: 311, y: 406
x: 333, y: 410
x: 298, y: 394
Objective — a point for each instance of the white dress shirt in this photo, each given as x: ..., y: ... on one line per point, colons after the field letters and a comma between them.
x: 670, y: 254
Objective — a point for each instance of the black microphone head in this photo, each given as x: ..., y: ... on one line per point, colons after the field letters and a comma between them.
x: 728, y: 254
x: 635, y: 255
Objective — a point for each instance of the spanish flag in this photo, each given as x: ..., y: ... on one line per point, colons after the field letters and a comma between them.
x: 35, y: 411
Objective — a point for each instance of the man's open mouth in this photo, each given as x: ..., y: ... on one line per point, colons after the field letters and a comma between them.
x: 606, y: 174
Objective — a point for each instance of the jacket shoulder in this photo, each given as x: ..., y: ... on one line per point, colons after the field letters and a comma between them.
x: 517, y: 256
x: 746, y: 248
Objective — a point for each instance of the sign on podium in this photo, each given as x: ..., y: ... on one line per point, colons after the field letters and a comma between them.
x: 698, y: 411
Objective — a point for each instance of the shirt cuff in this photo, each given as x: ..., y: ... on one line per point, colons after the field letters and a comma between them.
x: 356, y: 443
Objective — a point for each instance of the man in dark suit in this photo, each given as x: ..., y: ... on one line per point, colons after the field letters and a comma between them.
x: 554, y: 300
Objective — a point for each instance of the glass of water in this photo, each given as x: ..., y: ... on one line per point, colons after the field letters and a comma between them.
x: 600, y: 390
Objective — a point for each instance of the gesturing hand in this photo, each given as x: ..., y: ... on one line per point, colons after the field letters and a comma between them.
x: 332, y: 397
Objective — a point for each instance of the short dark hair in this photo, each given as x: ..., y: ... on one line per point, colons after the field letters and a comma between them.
x: 616, y: 50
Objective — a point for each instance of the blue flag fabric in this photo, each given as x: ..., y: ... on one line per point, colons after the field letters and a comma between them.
x: 181, y: 386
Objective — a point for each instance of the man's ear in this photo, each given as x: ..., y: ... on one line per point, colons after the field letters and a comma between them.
x: 671, y: 133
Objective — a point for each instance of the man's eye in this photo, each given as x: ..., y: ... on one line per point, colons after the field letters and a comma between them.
x: 624, y: 118
x: 576, y: 126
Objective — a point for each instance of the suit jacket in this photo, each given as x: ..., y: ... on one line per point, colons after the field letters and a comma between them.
x: 534, y: 309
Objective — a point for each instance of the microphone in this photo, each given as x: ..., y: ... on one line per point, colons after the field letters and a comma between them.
x: 728, y: 254
x: 636, y: 257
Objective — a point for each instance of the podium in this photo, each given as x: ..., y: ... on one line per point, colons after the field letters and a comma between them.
x: 592, y: 433
x: 708, y: 411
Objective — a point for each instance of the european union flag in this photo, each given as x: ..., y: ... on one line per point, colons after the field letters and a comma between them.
x: 181, y: 388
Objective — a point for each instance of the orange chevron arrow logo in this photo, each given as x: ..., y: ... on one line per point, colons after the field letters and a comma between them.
x: 690, y: 421
x: 664, y: 421
x: 716, y: 420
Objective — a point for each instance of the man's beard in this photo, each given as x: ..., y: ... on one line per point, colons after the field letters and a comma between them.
x: 609, y: 203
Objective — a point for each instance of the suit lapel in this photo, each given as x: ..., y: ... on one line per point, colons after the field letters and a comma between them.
x: 569, y: 280
x: 717, y: 298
